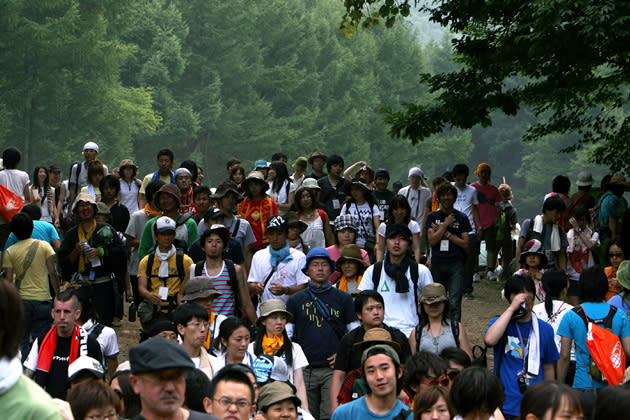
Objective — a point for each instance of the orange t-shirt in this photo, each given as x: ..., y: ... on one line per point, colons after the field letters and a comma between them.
x: 612, y: 289
x: 256, y: 213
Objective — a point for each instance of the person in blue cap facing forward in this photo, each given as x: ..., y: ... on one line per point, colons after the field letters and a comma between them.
x: 321, y: 315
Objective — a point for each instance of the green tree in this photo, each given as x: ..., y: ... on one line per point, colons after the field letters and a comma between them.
x: 570, y: 59
x: 60, y: 81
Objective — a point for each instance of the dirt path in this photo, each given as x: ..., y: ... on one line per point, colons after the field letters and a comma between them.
x: 475, y: 316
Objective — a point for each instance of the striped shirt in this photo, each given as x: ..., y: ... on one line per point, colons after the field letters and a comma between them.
x: 225, y: 304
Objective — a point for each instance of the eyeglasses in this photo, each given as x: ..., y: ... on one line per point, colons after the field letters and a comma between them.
x: 318, y: 264
x: 615, y: 255
x: 452, y: 374
x: 111, y: 416
x: 442, y: 380
x: 197, y: 324
x: 226, y: 402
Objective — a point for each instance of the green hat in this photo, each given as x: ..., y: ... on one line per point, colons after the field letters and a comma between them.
x: 623, y: 274
x: 276, y: 392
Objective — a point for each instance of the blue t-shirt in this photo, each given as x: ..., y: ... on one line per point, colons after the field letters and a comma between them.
x: 358, y: 409
x: 459, y: 227
x: 513, y: 359
x: 618, y: 302
x: 43, y: 231
x: 312, y: 331
x: 612, y: 206
x: 573, y: 327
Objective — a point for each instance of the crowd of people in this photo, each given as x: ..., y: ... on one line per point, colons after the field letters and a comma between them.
x: 284, y: 294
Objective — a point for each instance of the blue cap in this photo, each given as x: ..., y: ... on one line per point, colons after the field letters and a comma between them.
x: 260, y: 164
x: 318, y: 253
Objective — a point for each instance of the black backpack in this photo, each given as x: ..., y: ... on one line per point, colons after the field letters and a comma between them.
x: 181, y: 273
x: 454, y: 330
x: 229, y: 264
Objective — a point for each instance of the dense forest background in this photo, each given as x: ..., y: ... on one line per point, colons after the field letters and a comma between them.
x: 212, y: 79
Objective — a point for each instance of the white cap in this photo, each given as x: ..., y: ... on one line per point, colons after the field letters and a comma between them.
x: 90, y: 145
x: 182, y: 171
x: 416, y: 171
x: 85, y: 363
x: 164, y: 223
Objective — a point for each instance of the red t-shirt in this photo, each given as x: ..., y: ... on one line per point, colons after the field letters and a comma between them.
x: 488, y: 195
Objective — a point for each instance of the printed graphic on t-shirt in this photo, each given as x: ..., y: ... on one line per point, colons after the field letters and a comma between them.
x: 514, y: 348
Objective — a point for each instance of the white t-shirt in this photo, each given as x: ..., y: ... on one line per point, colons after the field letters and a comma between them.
x: 106, y: 339
x: 363, y: 215
x: 82, y: 175
x: 466, y: 198
x: 299, y: 358
x: 560, y: 309
x: 15, y: 180
x: 416, y: 199
x: 134, y: 230
x: 287, y: 274
x: 575, y: 244
x: 129, y: 195
x: 413, y: 226
x: 400, y: 308
x: 281, y: 197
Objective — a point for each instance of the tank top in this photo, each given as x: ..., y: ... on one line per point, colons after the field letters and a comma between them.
x: 439, y: 343
x: 225, y: 303
x: 314, y: 236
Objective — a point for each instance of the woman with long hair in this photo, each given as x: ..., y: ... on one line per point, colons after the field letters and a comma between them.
x: 318, y: 232
x: 272, y: 340
x: 361, y: 204
x: 43, y: 195
x: 399, y: 211
x: 281, y: 189
x: 351, y: 266
x: 435, y: 331
x: 232, y: 346
x: 237, y: 175
x: 129, y: 185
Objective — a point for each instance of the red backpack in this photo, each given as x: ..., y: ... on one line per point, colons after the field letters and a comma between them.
x: 607, y: 358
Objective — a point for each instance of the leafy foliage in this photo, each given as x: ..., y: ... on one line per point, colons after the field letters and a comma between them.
x: 566, y: 61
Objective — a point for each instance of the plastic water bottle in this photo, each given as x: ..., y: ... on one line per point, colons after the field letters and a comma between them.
x: 94, y: 261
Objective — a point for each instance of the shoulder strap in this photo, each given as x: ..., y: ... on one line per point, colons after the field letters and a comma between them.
x: 418, y: 337
x: 96, y: 331
x: 229, y: 264
x: 30, y: 255
x: 179, y: 263
x: 322, y: 215
x: 321, y: 307
x: 199, y: 268
x: 150, y: 267
x: 455, y: 331
x: 237, y: 224
x: 415, y: 275
x: 183, y: 219
x: 78, y: 171
x: 376, y: 274
x: 609, y: 318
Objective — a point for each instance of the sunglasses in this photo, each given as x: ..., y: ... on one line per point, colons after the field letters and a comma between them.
x: 452, y: 374
x: 615, y: 255
x: 442, y: 380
